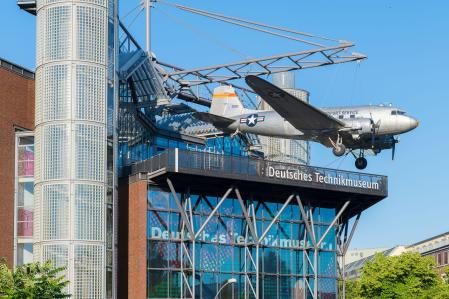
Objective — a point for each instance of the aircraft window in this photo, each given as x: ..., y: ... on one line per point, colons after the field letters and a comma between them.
x: 340, y: 116
x: 394, y: 112
x: 401, y: 112
x: 352, y: 116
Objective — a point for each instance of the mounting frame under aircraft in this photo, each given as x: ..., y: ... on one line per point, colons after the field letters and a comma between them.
x: 344, y: 129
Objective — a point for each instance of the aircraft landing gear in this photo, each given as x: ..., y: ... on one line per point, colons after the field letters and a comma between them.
x: 361, y: 163
x: 339, y: 149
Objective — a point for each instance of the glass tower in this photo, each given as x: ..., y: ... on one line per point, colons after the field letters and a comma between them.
x: 74, y: 141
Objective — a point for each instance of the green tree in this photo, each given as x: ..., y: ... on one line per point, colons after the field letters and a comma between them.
x: 400, y: 277
x: 32, y: 281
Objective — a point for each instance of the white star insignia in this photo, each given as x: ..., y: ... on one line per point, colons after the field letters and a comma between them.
x: 252, y: 120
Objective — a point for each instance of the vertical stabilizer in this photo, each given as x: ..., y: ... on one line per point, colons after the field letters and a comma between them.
x: 225, y: 102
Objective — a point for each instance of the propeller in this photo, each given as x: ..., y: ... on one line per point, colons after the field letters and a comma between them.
x: 373, y: 129
x: 393, y: 148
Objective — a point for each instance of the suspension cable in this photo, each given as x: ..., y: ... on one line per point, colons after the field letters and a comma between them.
x: 257, y: 23
x: 241, y: 23
x: 202, y: 33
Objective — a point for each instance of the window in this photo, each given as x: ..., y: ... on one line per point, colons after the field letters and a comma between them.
x: 25, y: 209
x: 24, y: 253
x: 24, y: 199
x: 352, y: 116
x: 340, y: 116
x: 440, y: 259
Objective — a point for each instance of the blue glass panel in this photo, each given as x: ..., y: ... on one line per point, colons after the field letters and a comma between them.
x: 285, y: 261
x: 157, y: 284
x: 327, y: 288
x: 269, y: 260
x: 285, y: 287
x: 158, y: 254
x: 270, y: 288
x: 327, y: 215
x: 175, y: 284
x: 158, y: 199
x: 327, y: 264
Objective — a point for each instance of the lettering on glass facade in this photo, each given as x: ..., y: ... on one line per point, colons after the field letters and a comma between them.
x: 158, y: 233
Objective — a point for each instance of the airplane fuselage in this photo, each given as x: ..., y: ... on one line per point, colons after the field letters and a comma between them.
x: 358, y: 122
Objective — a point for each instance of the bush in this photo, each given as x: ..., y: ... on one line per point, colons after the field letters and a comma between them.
x: 400, y: 277
x: 32, y: 281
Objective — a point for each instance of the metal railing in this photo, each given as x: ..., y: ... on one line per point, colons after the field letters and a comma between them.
x: 245, y: 168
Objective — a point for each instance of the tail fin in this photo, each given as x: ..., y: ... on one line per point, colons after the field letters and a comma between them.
x: 225, y: 102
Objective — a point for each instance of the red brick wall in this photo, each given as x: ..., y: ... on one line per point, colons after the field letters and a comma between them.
x: 16, y: 109
x: 132, y: 248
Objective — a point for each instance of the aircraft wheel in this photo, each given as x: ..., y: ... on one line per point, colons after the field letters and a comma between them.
x: 361, y: 163
x: 339, y: 150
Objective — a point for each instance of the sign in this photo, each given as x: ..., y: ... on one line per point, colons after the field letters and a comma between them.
x: 342, y: 179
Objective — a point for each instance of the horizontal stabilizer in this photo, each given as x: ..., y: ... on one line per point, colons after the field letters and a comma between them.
x: 218, y: 121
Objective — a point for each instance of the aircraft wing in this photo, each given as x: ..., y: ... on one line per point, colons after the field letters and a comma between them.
x: 301, y: 115
x: 218, y: 121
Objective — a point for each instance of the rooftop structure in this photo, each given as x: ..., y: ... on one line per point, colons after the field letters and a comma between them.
x: 353, y: 270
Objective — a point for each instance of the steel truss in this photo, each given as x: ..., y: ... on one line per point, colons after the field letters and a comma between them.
x: 343, y: 242
x: 254, y: 239
x: 264, y: 66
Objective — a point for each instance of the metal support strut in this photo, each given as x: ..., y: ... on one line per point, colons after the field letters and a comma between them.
x: 253, y: 241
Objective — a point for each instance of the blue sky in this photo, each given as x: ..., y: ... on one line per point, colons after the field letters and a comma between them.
x: 406, y: 42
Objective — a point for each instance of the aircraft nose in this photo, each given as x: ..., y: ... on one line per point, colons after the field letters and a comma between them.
x: 412, y: 123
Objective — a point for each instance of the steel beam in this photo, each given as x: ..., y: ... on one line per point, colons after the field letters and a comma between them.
x: 354, y: 226
x: 212, y: 214
x: 333, y: 222
x: 245, y: 213
x: 181, y: 210
x: 289, y: 199
x: 306, y: 222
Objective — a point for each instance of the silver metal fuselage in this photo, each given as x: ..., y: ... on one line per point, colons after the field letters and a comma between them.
x: 358, y: 119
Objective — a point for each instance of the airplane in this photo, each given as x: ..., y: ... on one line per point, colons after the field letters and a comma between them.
x: 344, y: 129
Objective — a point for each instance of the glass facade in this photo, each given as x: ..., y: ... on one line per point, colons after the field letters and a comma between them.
x: 222, y: 251
x: 24, y: 199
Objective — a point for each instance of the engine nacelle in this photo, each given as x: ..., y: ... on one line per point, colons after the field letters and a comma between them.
x: 359, y: 126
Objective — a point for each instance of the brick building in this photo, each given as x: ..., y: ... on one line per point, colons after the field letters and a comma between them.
x: 16, y: 114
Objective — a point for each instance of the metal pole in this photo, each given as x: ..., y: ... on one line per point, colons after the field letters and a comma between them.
x: 148, y: 15
x: 257, y: 271
x: 343, y: 276
x: 315, y: 273
x: 193, y: 257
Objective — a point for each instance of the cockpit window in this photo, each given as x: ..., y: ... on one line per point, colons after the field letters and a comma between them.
x: 397, y: 112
